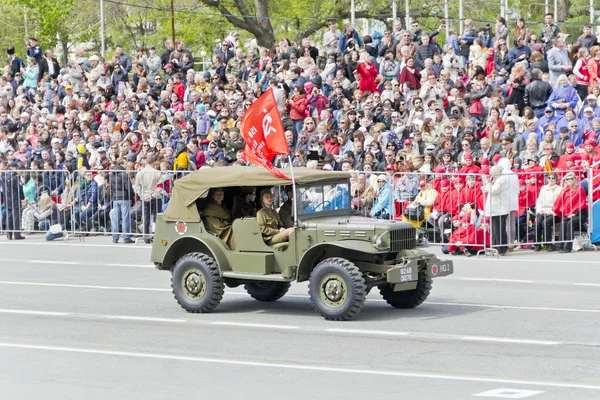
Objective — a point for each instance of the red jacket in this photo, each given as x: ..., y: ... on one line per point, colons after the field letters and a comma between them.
x: 570, y: 201
x: 298, y: 107
x: 407, y: 76
x: 472, y: 195
x: 368, y: 73
x: 527, y: 198
x: 443, y: 203
x: 462, y: 237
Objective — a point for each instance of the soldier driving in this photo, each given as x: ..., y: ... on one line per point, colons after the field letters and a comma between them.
x: 286, y: 211
x: 270, y: 224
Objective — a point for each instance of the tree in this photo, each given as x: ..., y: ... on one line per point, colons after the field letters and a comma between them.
x: 60, y: 22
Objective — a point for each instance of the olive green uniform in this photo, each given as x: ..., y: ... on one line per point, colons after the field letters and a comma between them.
x: 270, y: 224
x: 241, y: 208
x: 285, y: 214
x: 217, y: 221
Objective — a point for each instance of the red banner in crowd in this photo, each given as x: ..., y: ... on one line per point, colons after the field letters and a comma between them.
x: 263, y: 133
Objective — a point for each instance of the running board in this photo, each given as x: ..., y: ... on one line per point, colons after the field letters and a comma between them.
x: 250, y: 277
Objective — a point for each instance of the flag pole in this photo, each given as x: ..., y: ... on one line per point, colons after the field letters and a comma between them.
x: 294, y: 203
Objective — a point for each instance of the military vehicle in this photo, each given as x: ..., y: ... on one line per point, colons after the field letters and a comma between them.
x: 342, y: 255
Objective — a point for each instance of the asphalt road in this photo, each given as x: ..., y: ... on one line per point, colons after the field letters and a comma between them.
x: 96, y: 321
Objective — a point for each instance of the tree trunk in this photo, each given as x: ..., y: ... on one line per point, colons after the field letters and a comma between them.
x: 65, y: 49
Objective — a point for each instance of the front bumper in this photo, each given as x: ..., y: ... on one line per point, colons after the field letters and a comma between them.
x: 410, y: 262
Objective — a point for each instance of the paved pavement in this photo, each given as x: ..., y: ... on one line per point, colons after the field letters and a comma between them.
x: 97, y: 321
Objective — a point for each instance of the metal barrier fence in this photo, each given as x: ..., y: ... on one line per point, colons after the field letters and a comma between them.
x: 473, y: 213
x: 62, y: 204
x: 465, y: 213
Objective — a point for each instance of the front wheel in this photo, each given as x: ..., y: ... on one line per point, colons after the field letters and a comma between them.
x: 408, y: 298
x: 267, y: 291
x: 336, y: 289
x: 196, y: 283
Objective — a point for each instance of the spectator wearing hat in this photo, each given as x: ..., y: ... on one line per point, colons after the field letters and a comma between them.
x: 465, y: 239
x: 15, y: 62
x: 571, y: 208
x: 33, y: 49
x: 507, y: 149
x: 591, y: 102
x: 382, y: 208
x: 560, y: 145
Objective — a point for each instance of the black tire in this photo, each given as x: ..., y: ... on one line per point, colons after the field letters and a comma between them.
x: 342, y: 276
x: 267, y: 291
x: 408, y: 298
x: 196, y: 283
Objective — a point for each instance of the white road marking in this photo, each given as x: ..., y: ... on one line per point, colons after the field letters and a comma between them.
x: 149, y: 319
x: 528, y: 260
x: 587, y: 284
x: 437, y: 303
x: 509, y: 393
x: 509, y: 340
x: 51, y: 262
x: 304, y: 367
x: 118, y: 246
x: 251, y: 325
x: 494, y: 280
x: 498, y: 306
x: 33, y: 312
x: 66, y: 285
x: 367, y: 332
x: 57, y: 262
x: 131, y: 265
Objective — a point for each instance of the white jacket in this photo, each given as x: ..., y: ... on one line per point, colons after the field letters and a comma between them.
x: 547, y: 198
x: 513, y: 182
x: 497, y: 201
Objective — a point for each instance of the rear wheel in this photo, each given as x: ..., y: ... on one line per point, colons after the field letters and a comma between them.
x: 408, y: 298
x: 267, y: 291
x: 337, y: 289
x: 196, y: 283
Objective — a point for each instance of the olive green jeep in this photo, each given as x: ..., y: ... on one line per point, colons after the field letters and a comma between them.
x: 342, y: 255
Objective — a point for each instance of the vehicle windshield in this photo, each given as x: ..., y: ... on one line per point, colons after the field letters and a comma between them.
x: 323, y: 197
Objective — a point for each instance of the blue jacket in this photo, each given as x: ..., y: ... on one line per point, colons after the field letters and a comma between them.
x: 596, y: 110
x: 202, y: 124
x: 566, y: 93
x: 564, y: 122
x: 542, y: 124
x: 516, y: 52
x: 54, y: 180
x: 89, y: 193
x: 383, y: 202
x: 344, y: 41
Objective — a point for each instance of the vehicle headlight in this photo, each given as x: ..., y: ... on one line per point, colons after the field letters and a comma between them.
x: 378, y: 241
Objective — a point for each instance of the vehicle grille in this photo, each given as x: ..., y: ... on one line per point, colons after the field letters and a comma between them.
x: 401, y: 239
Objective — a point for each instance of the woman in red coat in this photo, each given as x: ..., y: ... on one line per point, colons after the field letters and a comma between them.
x: 368, y: 73
x: 571, y: 207
x: 411, y: 74
x: 297, y: 107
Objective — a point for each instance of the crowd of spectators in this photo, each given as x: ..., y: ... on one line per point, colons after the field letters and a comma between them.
x: 393, y: 102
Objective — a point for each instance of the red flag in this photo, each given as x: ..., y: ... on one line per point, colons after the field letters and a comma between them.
x: 263, y: 133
